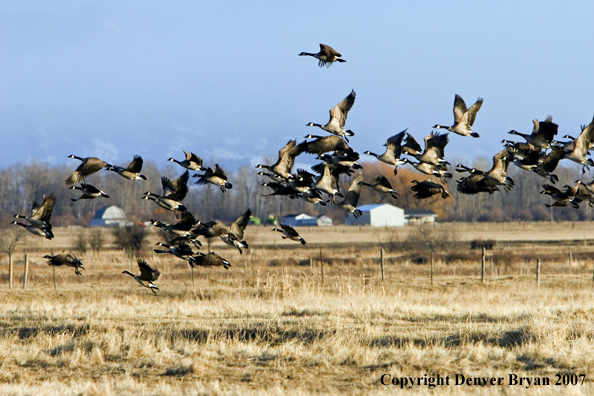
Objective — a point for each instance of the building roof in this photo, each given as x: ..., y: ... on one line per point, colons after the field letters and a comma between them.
x: 110, y: 213
x: 419, y: 212
x: 298, y: 216
x: 370, y: 207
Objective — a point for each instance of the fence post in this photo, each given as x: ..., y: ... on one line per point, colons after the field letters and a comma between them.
x: 538, y: 272
x: 483, y: 265
x: 321, y: 267
x: 382, y: 263
x: 253, y: 271
x: 26, y: 268
x: 10, y: 269
x: 431, y: 267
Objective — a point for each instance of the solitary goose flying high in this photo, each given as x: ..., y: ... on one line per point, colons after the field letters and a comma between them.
x: 326, y: 56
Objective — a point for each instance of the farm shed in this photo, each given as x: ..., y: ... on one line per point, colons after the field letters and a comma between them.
x: 109, y: 216
x: 419, y: 216
x: 378, y: 215
x: 305, y: 220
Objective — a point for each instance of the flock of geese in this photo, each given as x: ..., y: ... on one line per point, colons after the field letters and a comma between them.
x: 540, y: 153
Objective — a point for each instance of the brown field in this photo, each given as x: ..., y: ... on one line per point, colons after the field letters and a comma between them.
x: 280, y: 323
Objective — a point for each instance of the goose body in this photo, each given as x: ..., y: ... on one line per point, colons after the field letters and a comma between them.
x: 542, y: 134
x: 324, y: 144
x: 148, y: 275
x: 233, y: 235
x: 326, y: 56
x: 88, y: 166
x: 560, y: 198
x: 216, y: 176
x: 173, y: 193
x: 41, y: 213
x: 290, y: 233
x: 393, y: 151
x: 338, y: 116
x: 286, y: 159
x: 350, y: 201
x: 463, y: 117
x: 132, y: 172
x: 89, y: 192
x: 67, y: 260
x: 210, y: 260
x: 428, y: 188
x: 192, y: 162
x: 382, y: 185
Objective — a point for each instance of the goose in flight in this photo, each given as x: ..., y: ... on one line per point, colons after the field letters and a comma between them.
x: 88, y: 166
x: 338, y: 116
x: 173, y: 193
x: 147, y: 275
x: 132, y: 172
x: 326, y: 56
x: 463, y: 117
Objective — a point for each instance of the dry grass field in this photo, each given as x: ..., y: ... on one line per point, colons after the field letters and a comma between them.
x: 273, y: 324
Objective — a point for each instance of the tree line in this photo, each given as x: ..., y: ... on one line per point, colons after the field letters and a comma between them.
x: 24, y: 183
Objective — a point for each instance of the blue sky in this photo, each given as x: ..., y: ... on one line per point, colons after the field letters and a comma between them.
x: 223, y: 79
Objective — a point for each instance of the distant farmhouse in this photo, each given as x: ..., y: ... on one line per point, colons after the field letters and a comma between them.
x: 109, y: 216
x: 386, y: 215
x: 304, y: 220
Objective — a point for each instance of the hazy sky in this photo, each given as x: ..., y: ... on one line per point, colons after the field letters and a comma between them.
x: 223, y: 79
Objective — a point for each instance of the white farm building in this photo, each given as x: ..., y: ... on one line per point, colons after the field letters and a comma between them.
x: 109, y: 216
x: 378, y: 215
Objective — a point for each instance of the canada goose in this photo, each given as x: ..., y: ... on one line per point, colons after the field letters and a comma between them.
x: 65, y: 259
x: 525, y: 156
x: 192, y: 162
x: 40, y: 214
x: 281, y: 189
x: 302, y: 181
x: 132, y: 172
x: 382, y: 185
x: 173, y: 193
x: 475, y: 183
x: 147, y: 275
x: 209, y: 260
x: 36, y: 230
x: 549, y: 163
x: 89, y: 192
x: 393, y: 151
x: 350, y: 201
x: 348, y: 158
x: 218, y: 177
x: 581, y: 191
x: 560, y: 198
x: 338, y: 116
x: 313, y: 196
x: 324, y: 144
x: 463, y: 118
x: 479, y: 181
x: 577, y: 150
x: 434, y: 148
x: 286, y: 159
x: 428, y: 188
x: 180, y: 229
x: 181, y: 250
x: 542, y: 134
x: 289, y: 232
x: 326, y: 56
x: 89, y: 166
x: 328, y: 182
x: 233, y: 235
x: 439, y: 170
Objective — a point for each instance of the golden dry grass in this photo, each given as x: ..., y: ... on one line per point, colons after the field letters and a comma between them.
x: 284, y: 333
